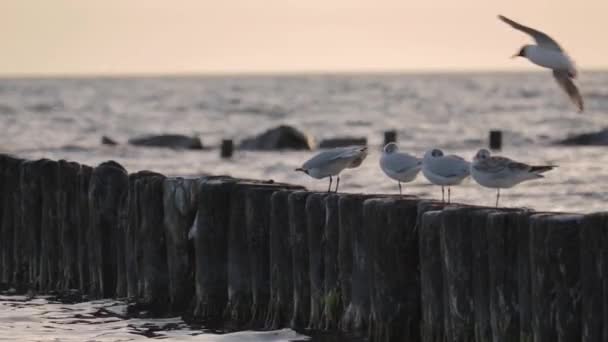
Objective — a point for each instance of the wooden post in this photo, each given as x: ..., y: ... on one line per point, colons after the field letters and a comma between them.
x: 555, y: 269
x: 495, y: 140
x: 281, y: 277
x: 211, y: 247
x: 227, y: 148
x: 390, y: 136
x: 431, y: 275
x: 332, y: 293
x: 395, y: 296
x: 504, y: 260
x: 315, y: 213
x: 594, y: 234
x: 179, y: 208
x: 299, y: 252
x: 108, y: 184
x: 457, y: 252
x: 353, y: 223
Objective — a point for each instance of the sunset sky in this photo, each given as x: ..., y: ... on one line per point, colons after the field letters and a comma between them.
x: 66, y: 37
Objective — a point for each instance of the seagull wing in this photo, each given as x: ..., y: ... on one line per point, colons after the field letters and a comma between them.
x: 451, y: 166
x: 402, y: 162
x: 567, y: 84
x: 542, y: 39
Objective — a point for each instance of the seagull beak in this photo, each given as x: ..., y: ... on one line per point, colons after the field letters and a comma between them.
x: 515, y: 55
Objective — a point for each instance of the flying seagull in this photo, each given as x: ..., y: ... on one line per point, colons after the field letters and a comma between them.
x: 549, y: 54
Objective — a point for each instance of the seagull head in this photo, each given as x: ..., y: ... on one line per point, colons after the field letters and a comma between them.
x: 482, y: 154
x: 302, y: 170
x: 434, y: 153
x: 391, y: 148
x: 521, y: 52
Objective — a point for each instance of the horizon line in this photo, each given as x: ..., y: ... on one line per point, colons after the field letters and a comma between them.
x: 277, y: 73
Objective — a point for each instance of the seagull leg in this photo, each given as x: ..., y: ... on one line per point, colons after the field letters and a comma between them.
x: 449, y: 192
x: 399, y: 188
x: 442, y: 195
x: 329, y: 189
x: 497, y: 196
x: 337, y: 183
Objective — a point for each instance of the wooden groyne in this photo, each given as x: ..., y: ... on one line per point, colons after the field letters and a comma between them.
x: 252, y: 254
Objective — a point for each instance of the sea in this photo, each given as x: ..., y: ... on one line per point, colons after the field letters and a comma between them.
x: 65, y: 118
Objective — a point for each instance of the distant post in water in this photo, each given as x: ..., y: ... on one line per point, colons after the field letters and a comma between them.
x: 389, y: 137
x: 495, y: 140
x: 227, y: 148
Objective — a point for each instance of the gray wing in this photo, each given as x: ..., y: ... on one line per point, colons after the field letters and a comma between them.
x: 565, y: 82
x: 329, y: 156
x: 451, y: 166
x: 402, y: 162
x: 542, y: 39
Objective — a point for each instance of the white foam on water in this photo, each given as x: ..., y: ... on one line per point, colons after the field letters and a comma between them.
x: 40, y: 320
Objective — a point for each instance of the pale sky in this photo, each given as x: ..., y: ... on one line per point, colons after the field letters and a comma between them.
x: 75, y: 37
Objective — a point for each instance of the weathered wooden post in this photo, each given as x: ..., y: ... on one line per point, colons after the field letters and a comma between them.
x: 179, y: 208
x: 153, y: 279
x: 594, y: 239
x: 31, y: 209
x: 555, y: 269
x: 389, y: 137
x: 257, y: 211
x: 355, y: 268
x: 211, y: 248
x: 315, y: 214
x: 395, y: 295
x: 299, y: 251
x: 49, y: 239
x: 281, y: 278
x: 10, y: 171
x: 239, y: 273
x: 457, y: 253
x: 84, y: 178
x: 495, y: 140
x: 332, y: 299
x: 504, y: 259
x: 108, y: 185
x: 67, y: 212
x: 227, y: 148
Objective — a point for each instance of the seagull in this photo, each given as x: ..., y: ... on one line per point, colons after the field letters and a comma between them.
x: 401, y: 167
x: 330, y: 163
x: 503, y: 173
x: 444, y: 170
x: 549, y: 54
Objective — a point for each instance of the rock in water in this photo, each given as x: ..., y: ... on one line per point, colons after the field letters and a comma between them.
x: 587, y: 139
x: 108, y: 141
x: 279, y: 138
x: 176, y: 141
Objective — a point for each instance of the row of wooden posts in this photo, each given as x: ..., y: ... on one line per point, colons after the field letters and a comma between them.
x: 495, y: 142
x: 258, y: 254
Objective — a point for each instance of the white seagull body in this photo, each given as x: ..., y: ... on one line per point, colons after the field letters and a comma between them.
x: 502, y: 173
x: 330, y: 163
x: 549, y: 54
x: 444, y: 170
x: 402, y: 167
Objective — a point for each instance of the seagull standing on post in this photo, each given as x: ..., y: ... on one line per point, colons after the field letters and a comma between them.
x: 330, y: 163
x: 399, y: 166
x: 502, y: 173
x: 549, y: 54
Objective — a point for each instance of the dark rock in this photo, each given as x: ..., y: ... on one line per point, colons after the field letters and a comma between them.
x: 176, y: 141
x: 599, y: 138
x: 282, y: 137
x: 343, y: 142
x: 108, y: 141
